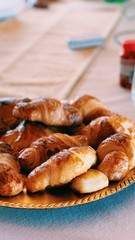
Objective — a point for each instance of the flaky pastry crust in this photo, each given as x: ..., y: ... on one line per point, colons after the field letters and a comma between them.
x: 48, y: 111
x: 101, y: 128
x: 43, y: 148
x: 11, y: 181
x: 24, y: 134
x: 7, y: 119
x: 90, y: 181
x: 91, y: 108
x: 61, y: 168
x: 118, y: 142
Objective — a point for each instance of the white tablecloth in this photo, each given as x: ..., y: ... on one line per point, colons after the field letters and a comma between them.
x: 111, y: 218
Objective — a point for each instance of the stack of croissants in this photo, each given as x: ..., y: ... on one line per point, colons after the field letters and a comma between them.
x: 46, y: 143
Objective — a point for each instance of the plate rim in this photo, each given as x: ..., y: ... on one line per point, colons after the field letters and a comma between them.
x: 87, y: 198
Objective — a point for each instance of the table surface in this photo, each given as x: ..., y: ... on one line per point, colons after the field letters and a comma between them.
x: 109, y: 218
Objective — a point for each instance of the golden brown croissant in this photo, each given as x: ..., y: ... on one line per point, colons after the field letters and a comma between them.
x: 115, y: 165
x: 11, y: 181
x: 7, y: 120
x: 24, y: 134
x: 127, y: 123
x: 61, y: 168
x: 101, y: 128
x: 43, y: 148
x: 49, y: 111
x: 91, y: 108
x: 90, y: 181
x: 117, y: 155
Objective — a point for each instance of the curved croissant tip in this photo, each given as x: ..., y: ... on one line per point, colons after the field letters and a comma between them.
x: 115, y: 165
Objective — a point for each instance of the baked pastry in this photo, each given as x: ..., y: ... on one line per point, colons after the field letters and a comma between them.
x: 115, y: 165
x: 126, y: 122
x: 7, y: 120
x: 48, y: 111
x: 91, y: 108
x: 24, y: 134
x: 117, y: 155
x: 61, y: 168
x: 44, y: 147
x: 101, y: 128
x: 118, y: 142
x: 90, y: 181
x: 11, y: 181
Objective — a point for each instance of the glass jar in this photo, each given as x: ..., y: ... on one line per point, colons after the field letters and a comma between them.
x: 133, y: 88
x: 127, y: 64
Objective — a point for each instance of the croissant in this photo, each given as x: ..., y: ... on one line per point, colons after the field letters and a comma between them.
x: 7, y: 120
x: 61, y: 168
x: 90, y: 181
x: 115, y: 165
x: 126, y: 122
x: 43, y: 148
x: 24, y: 134
x: 49, y: 111
x: 117, y: 155
x: 101, y: 128
x: 91, y: 108
x: 11, y: 181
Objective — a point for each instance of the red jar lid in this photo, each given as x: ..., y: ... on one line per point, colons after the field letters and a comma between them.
x: 128, y: 49
x: 129, y: 46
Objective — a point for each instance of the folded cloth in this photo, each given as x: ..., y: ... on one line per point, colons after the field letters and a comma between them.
x: 93, y: 41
